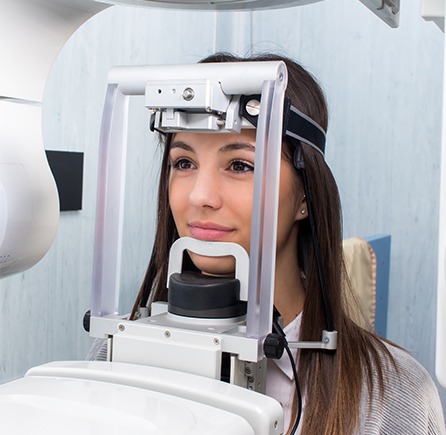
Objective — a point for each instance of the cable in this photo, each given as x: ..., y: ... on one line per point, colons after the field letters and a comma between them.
x: 300, y: 166
x: 278, y: 329
x: 298, y: 392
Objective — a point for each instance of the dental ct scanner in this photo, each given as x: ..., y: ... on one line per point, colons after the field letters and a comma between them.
x: 164, y: 371
x: 177, y: 340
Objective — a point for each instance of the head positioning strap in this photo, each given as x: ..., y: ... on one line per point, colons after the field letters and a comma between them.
x: 295, y: 123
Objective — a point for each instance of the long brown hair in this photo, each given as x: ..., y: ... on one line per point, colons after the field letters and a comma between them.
x: 332, y: 382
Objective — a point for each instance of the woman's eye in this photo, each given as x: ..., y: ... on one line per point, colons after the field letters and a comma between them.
x: 240, y: 166
x: 183, y: 164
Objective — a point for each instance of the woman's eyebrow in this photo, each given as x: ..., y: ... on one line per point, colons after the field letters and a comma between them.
x: 182, y: 145
x: 237, y: 146
x: 224, y: 149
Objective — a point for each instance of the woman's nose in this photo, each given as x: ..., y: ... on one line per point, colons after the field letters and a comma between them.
x: 206, y: 190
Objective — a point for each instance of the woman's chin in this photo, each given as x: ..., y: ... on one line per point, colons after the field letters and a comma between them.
x: 217, y: 266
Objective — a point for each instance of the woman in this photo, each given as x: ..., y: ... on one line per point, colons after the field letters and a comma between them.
x: 366, y: 386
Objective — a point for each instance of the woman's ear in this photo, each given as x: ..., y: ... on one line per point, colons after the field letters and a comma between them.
x: 302, y: 211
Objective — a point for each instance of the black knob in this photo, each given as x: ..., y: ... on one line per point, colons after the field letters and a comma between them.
x: 86, y: 321
x: 274, y: 345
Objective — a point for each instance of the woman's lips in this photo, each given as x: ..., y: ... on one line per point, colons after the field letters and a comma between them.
x: 208, y: 231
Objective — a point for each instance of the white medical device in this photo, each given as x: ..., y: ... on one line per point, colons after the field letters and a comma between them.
x: 29, y: 203
x: 145, y: 356
x: 206, y: 97
x: 163, y: 374
x: 216, y: 91
x: 387, y: 10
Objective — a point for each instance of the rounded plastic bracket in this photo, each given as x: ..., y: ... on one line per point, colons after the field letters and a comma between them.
x: 211, y: 249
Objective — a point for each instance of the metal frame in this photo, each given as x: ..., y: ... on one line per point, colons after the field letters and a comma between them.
x: 387, y: 10
x: 165, y: 333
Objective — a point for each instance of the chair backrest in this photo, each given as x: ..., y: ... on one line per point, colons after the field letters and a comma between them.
x: 360, y: 262
x: 368, y: 267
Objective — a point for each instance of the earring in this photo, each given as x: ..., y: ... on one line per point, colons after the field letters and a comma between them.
x: 302, y: 211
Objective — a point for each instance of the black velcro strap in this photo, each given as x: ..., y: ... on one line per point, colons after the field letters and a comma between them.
x: 303, y: 128
x: 295, y: 123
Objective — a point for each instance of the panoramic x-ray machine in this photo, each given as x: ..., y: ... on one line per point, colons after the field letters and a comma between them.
x: 173, y: 359
x: 164, y: 371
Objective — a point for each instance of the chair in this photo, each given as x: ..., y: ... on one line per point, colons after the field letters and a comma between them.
x: 368, y: 263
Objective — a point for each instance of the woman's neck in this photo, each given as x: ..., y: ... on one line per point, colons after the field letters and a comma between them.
x: 289, y: 293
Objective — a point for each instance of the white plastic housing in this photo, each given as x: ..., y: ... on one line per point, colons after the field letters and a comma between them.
x: 211, y: 249
x: 93, y: 398
x: 32, y: 32
x: 29, y: 203
x: 388, y: 11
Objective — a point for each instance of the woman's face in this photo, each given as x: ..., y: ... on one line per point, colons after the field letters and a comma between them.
x: 210, y: 193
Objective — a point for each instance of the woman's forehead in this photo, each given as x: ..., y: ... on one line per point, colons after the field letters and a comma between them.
x: 189, y: 139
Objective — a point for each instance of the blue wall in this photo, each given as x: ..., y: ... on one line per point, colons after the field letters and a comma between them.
x: 384, y: 88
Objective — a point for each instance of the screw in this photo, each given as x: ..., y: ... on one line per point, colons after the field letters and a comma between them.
x: 167, y: 334
x: 216, y: 341
x: 253, y: 107
x: 251, y: 379
x: 121, y: 327
x: 188, y: 94
x: 248, y: 371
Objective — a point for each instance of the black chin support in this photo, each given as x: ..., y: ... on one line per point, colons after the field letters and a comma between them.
x: 192, y: 294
